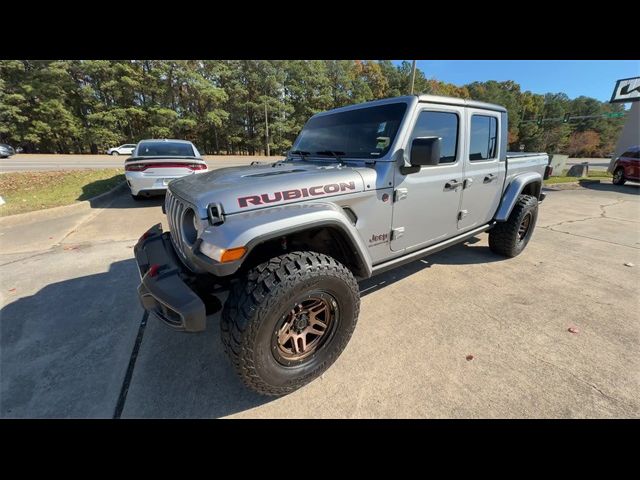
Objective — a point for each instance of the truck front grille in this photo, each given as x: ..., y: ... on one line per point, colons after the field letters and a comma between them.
x: 175, y: 209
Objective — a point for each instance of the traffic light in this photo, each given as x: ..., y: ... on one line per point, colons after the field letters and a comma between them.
x: 566, y: 117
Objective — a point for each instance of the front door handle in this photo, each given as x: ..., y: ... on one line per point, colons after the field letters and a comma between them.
x: 452, y: 185
x: 489, y: 178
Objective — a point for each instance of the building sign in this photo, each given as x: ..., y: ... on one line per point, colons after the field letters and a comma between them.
x: 627, y: 90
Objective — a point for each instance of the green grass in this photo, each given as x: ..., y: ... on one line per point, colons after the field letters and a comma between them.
x: 595, y: 174
x: 29, y: 191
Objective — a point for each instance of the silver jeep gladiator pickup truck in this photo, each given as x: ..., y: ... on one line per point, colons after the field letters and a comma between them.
x: 365, y: 188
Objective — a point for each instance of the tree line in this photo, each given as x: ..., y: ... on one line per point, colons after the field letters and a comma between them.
x: 87, y: 106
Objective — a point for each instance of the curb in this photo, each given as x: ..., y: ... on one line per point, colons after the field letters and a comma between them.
x: 572, y: 184
x: 58, y: 211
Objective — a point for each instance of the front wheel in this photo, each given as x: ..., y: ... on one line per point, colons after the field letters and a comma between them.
x: 509, y: 238
x: 115, y: 154
x: 288, y: 320
x: 618, y: 177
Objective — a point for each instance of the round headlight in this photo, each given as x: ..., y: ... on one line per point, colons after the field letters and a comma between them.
x: 189, y: 226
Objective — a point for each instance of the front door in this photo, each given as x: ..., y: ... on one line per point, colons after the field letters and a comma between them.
x: 426, y: 202
x: 483, y: 171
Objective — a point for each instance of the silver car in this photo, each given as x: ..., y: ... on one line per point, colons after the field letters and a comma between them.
x: 155, y: 163
x: 126, y: 149
x: 6, y: 150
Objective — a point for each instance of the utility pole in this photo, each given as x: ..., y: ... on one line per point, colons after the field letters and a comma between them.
x: 266, y: 129
x: 413, y: 76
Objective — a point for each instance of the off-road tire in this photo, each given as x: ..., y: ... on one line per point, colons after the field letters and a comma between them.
x: 258, y: 302
x: 618, y: 176
x: 504, y: 237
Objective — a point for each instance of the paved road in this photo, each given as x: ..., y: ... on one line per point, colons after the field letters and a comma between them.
x: 70, y: 319
x: 24, y: 162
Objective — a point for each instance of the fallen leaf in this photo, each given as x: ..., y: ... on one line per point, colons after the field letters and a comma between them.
x: 629, y: 264
x: 71, y: 248
x: 12, y: 289
x: 469, y: 358
x: 573, y: 330
x: 50, y: 238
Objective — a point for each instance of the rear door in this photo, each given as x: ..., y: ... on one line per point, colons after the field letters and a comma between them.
x: 483, y: 171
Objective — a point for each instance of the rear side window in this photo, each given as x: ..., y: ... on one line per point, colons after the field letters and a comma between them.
x: 484, y: 138
x: 443, y: 125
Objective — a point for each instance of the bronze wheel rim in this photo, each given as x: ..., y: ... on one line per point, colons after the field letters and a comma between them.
x: 523, y: 229
x: 304, y: 329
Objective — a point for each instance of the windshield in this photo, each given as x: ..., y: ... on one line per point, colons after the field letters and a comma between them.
x: 164, y: 149
x: 362, y: 133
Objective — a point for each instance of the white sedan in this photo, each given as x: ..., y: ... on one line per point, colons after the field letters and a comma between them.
x: 155, y: 163
x: 126, y: 149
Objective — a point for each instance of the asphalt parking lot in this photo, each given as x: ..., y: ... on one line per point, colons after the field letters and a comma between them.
x: 75, y: 342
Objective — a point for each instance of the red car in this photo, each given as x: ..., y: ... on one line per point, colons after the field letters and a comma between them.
x: 627, y: 166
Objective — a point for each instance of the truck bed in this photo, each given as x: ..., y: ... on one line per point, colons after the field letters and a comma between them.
x: 523, y: 162
x: 524, y: 154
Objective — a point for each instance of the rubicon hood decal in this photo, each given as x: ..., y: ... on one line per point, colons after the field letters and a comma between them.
x: 296, y: 193
x: 241, y: 189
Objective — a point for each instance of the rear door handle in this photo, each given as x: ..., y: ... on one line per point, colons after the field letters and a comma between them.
x: 452, y: 185
x: 489, y: 178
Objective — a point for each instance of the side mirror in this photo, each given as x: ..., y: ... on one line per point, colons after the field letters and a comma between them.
x: 425, y: 151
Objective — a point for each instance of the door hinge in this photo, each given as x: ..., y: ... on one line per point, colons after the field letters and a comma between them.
x: 400, y: 194
x: 462, y: 214
x: 396, y: 233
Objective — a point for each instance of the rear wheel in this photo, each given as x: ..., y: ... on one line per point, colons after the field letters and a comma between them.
x: 288, y: 320
x: 618, y: 176
x: 509, y: 238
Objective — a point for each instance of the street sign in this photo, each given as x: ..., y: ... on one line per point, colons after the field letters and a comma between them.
x: 627, y: 90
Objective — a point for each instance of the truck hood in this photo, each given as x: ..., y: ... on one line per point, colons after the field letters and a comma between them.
x: 241, y: 189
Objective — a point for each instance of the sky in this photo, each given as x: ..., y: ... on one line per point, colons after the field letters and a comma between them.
x: 591, y: 78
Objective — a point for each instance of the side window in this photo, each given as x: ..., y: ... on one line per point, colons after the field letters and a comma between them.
x: 443, y: 125
x: 484, y: 138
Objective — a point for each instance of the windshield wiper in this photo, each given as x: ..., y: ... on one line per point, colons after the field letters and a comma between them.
x: 334, y: 153
x: 302, y: 153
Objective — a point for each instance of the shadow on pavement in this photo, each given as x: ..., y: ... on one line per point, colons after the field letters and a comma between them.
x: 124, y: 200
x: 186, y: 375
x: 64, y: 350
x: 463, y: 254
x: 628, y: 188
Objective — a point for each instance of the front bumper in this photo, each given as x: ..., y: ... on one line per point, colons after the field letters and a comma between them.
x: 163, y: 290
